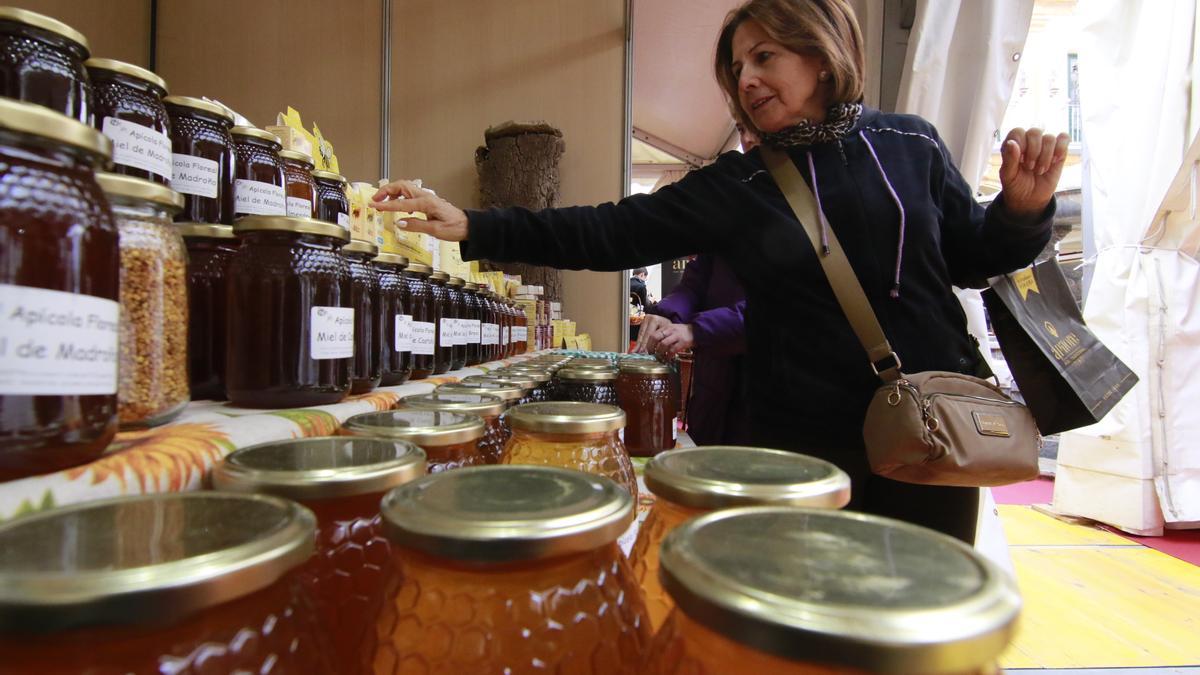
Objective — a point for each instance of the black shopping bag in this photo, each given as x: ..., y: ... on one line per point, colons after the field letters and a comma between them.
x: 1067, y: 377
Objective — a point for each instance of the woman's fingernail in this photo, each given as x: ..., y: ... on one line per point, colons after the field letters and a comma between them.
x: 402, y: 223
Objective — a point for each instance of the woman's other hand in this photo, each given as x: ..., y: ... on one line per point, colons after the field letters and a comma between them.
x: 648, y: 333
x: 443, y: 220
x: 675, y: 338
x: 1031, y: 163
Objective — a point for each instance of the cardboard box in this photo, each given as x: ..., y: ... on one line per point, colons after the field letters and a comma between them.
x: 451, y: 260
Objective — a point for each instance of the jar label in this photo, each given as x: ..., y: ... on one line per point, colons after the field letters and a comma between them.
x: 253, y: 197
x: 193, y: 175
x: 446, y: 332
x: 331, y: 332
x: 474, y: 329
x: 404, y: 341
x: 344, y: 221
x: 491, y: 334
x: 520, y: 334
x: 55, y: 343
x: 139, y: 146
x: 422, y: 337
x: 298, y: 207
x: 460, y: 331
x: 504, y: 336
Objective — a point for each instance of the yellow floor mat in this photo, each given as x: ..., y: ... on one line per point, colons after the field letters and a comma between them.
x: 1092, y: 604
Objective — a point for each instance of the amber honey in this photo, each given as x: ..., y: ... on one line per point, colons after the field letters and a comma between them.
x: 450, y: 440
x: 489, y: 408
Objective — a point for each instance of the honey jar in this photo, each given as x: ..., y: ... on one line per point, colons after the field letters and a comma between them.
x: 490, y: 408
x: 450, y: 439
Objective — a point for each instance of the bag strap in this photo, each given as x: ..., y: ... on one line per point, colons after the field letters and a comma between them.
x: 846, y: 287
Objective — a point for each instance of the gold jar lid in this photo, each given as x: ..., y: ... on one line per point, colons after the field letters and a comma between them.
x: 503, y: 392
x: 200, y: 104
x: 586, y: 361
x: 846, y: 589
x: 512, y: 380
x: 44, y: 123
x: 537, y: 375
x: 147, y: 559
x: 507, y: 513
x: 360, y: 246
x: 321, y: 467
x: 566, y: 417
x: 595, y: 374
x: 484, y: 405
x: 471, y: 286
x: 137, y: 191
x: 725, y: 476
x: 589, y: 366
x: 322, y: 174
x: 643, y: 367
x: 391, y: 259
x: 128, y: 70
x: 289, y: 224
x: 423, y: 427
x: 297, y: 156
x: 205, y: 230
x: 419, y: 268
x: 455, y: 281
x: 438, y: 275
x: 256, y: 133
x: 45, y: 23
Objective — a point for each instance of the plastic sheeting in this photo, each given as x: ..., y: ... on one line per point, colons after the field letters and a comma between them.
x: 1139, y: 468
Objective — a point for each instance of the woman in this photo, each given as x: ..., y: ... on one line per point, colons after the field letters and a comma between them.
x: 886, y: 186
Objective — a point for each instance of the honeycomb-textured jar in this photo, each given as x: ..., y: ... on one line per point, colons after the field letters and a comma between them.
x: 646, y: 392
x: 472, y: 310
x: 41, y: 62
x: 341, y: 479
x: 369, y: 327
x: 450, y: 440
x: 510, y: 570
x: 332, y: 204
x: 129, y: 110
x: 800, y: 591
x: 443, y: 323
x: 597, y: 385
x: 580, y: 436
x: 543, y: 381
x: 59, y: 260
x: 202, y: 159
x: 691, y: 482
x: 299, y: 184
x: 210, y: 248
x: 258, y: 183
x: 172, y: 583
x: 397, y: 321
x: 289, y: 275
x: 418, y: 297
x: 458, y: 329
x: 490, y: 408
x: 154, y: 320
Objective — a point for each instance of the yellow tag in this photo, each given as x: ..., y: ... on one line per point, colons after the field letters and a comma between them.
x: 1025, y: 282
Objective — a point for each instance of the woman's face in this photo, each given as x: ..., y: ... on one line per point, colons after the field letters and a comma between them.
x: 776, y: 87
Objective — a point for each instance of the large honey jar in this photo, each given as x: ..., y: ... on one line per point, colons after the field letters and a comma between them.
x: 588, y: 385
x: 369, y: 326
x: 291, y: 321
x: 202, y: 159
x: 794, y: 591
x: 450, y: 439
x: 210, y: 249
x: 443, y: 320
x: 171, y: 583
x: 340, y: 479
x: 694, y: 481
x: 396, y: 355
x: 490, y: 408
x: 333, y: 206
x: 299, y: 184
x: 647, y: 393
x: 59, y: 267
x: 510, y: 569
x: 258, y: 182
x: 581, y: 436
x: 129, y: 110
x: 41, y: 62
x: 457, y: 315
x: 422, y: 318
x: 473, y: 311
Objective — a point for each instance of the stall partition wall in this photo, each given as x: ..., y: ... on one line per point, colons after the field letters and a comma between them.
x: 459, y: 67
x: 116, y: 29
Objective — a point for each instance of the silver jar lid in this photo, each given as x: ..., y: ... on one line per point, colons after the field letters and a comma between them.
x: 146, y: 559
x: 726, y: 476
x: 320, y: 468
x: 840, y: 588
x: 507, y: 513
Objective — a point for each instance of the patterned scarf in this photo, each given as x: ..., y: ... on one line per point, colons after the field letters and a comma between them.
x: 840, y: 119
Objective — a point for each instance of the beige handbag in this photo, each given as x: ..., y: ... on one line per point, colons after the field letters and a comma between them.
x: 932, y: 428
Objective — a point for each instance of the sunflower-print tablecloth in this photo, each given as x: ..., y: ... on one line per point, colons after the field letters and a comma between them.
x: 178, y: 456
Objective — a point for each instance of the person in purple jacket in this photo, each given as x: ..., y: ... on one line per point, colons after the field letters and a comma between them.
x: 704, y: 313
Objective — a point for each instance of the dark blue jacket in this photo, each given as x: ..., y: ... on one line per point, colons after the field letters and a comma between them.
x: 807, y: 377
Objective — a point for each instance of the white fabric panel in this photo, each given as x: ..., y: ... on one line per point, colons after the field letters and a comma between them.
x: 1139, y: 468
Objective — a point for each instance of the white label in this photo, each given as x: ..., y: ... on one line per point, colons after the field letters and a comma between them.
x: 422, y: 337
x: 674, y: 431
x: 504, y: 336
x: 56, y: 343
x: 298, y: 207
x: 258, y: 198
x: 331, y: 332
x: 138, y: 146
x: 403, y: 333
x: 621, y: 434
x: 344, y: 221
x: 490, y: 334
x: 446, y: 332
x: 474, y: 331
x: 520, y: 334
x: 193, y: 175
x: 460, y: 331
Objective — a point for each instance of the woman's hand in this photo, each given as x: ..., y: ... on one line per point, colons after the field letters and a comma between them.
x: 443, y: 220
x: 648, y: 333
x: 668, y: 341
x: 1030, y: 165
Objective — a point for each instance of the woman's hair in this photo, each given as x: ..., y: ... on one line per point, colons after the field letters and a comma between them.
x: 826, y: 28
